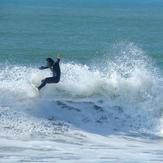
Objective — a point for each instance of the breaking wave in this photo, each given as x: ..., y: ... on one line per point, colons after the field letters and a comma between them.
x: 122, y: 95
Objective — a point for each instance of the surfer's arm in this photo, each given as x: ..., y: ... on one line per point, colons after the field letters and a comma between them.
x: 43, y: 67
x: 58, y: 60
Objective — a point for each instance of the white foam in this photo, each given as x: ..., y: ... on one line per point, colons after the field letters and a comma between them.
x: 128, y: 81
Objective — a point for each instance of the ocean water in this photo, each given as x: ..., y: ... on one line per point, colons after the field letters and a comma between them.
x: 108, y: 106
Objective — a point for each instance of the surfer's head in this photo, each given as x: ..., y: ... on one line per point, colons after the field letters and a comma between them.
x: 49, y: 62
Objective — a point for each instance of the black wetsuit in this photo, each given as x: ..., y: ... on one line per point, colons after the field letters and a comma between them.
x: 55, y: 68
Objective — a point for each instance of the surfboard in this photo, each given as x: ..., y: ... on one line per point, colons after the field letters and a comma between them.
x: 35, y: 89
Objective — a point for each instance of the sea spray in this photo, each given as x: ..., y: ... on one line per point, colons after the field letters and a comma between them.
x: 126, y: 96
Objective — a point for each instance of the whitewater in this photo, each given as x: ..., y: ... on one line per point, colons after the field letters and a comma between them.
x: 105, y: 112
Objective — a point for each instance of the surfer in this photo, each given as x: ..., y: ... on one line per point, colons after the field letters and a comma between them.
x: 55, y: 68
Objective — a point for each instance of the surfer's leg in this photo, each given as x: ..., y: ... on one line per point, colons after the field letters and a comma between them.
x: 47, y: 80
x: 43, y: 83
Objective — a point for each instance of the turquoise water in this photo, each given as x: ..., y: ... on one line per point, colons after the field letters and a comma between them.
x: 108, y: 105
x: 81, y: 31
